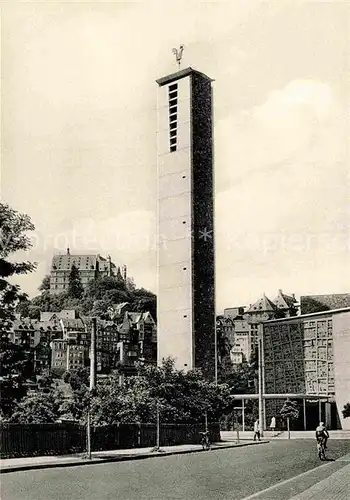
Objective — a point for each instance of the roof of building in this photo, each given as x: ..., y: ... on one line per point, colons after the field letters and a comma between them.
x: 223, y: 320
x: 73, y: 323
x: 34, y: 324
x: 264, y: 304
x: 81, y: 262
x: 318, y: 303
x: 283, y: 301
x: 119, y: 307
x: 104, y: 265
x: 181, y: 74
x: 136, y: 317
x: 311, y: 315
x: 49, y: 316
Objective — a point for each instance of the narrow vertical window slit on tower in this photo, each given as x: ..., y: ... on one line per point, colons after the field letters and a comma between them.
x: 173, y: 105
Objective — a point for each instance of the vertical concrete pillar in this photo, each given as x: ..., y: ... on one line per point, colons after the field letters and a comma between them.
x: 304, y: 414
x: 319, y: 410
x: 328, y: 415
x: 243, y: 415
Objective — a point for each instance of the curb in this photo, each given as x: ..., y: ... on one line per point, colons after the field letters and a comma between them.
x: 120, y: 458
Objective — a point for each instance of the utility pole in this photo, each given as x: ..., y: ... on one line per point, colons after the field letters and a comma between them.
x: 157, y: 446
x: 216, y: 353
x: 236, y: 424
x: 158, y: 428
x: 92, y: 382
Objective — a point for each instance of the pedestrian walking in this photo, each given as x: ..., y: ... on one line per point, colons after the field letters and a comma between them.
x: 273, y: 425
x: 256, y: 430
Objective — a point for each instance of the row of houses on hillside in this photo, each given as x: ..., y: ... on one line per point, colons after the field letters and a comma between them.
x: 60, y: 341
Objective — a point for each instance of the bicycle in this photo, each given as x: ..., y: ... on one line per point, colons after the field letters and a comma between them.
x: 321, y: 449
x: 205, y: 441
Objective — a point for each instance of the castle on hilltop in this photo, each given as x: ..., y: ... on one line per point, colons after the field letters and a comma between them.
x: 90, y: 267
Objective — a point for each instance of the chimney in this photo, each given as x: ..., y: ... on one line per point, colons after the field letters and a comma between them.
x: 68, y: 252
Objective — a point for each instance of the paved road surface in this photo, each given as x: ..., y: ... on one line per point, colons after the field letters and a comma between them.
x: 223, y: 475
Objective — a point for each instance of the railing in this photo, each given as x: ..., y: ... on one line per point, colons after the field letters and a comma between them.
x: 26, y: 440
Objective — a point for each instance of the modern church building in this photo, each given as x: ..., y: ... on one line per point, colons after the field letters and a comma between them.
x: 308, y: 358
x: 186, y: 295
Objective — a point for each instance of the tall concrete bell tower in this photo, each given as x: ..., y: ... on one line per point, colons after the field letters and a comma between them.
x: 186, y: 276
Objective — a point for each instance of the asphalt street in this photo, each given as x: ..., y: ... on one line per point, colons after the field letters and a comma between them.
x: 218, y: 474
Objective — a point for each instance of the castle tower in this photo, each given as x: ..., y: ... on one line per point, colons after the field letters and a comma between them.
x: 186, y: 288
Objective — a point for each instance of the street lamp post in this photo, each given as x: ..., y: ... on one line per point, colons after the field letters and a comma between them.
x: 235, y: 421
x: 216, y: 353
x: 260, y: 377
x: 157, y: 447
x: 92, y: 383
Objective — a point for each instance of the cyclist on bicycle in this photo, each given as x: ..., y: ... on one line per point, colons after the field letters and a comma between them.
x: 322, y: 434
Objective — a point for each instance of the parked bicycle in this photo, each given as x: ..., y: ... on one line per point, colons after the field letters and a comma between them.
x: 205, y: 440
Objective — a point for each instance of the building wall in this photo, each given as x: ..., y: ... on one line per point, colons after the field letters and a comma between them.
x: 76, y: 356
x: 233, y: 312
x: 90, y: 267
x: 186, y: 315
x: 174, y: 309
x: 309, y: 355
x: 59, y: 354
x: 341, y: 338
x: 299, y: 356
x: 203, y: 268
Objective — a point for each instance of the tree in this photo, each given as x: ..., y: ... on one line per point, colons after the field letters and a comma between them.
x: 15, y: 362
x: 75, y: 407
x: 16, y: 367
x: 34, y: 312
x: 143, y: 301
x: 130, y: 284
x: 96, y: 299
x: 45, y: 284
x: 38, y: 408
x: 75, y: 288
x: 180, y: 397
x: 225, y: 365
x: 98, y: 288
x: 49, y: 302
x: 13, y: 238
x: 23, y: 307
x: 346, y: 410
x: 289, y: 411
x: 77, y: 378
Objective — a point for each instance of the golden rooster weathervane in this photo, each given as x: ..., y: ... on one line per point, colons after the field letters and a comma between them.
x: 178, y: 54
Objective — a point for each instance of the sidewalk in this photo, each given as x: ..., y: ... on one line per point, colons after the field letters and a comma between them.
x: 231, y: 435
x: 334, y: 487
x: 97, y: 457
x: 329, y: 481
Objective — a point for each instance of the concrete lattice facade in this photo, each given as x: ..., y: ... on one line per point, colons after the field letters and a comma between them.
x: 309, y: 355
x: 186, y: 298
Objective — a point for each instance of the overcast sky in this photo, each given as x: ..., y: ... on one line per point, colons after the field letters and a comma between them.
x: 79, y: 134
